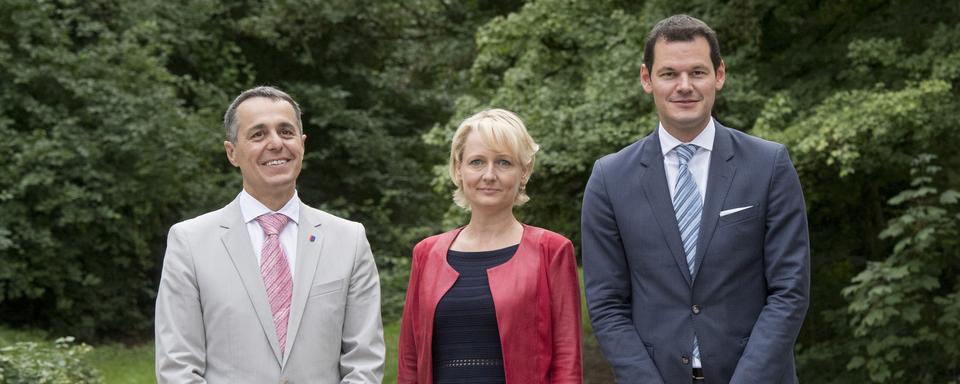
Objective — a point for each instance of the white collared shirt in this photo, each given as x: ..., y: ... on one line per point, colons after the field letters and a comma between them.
x: 251, y: 208
x: 699, y: 164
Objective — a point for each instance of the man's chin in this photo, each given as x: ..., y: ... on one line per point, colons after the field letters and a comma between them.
x: 277, y: 183
x: 691, y: 123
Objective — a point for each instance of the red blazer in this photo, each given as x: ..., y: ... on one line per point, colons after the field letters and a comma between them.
x: 537, y: 302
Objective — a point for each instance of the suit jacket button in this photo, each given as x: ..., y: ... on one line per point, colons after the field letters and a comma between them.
x: 695, y: 309
x: 684, y: 360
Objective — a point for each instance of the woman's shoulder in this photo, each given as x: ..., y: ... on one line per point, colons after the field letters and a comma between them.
x: 424, y: 246
x: 548, y: 238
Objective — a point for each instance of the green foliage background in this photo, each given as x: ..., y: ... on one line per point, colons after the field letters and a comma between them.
x: 110, y: 115
x: 40, y: 363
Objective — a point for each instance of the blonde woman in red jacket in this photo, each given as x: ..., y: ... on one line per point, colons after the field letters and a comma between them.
x: 495, y: 301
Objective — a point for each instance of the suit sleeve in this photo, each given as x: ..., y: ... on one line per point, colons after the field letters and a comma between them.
x: 407, y: 350
x: 786, y: 257
x: 180, y: 343
x: 362, y: 350
x: 566, y: 365
x: 607, y: 281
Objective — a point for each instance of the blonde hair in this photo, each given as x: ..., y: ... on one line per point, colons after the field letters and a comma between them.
x: 498, y: 128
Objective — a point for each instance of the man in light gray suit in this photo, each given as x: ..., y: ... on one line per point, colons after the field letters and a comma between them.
x: 695, y: 249
x: 268, y: 289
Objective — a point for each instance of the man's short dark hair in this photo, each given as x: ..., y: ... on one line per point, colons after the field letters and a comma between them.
x: 681, y: 28
x: 230, y: 118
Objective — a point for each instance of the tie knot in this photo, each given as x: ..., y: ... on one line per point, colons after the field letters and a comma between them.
x: 685, y: 152
x: 272, y: 223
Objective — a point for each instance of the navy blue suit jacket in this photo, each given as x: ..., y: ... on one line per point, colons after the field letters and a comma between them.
x: 749, y: 293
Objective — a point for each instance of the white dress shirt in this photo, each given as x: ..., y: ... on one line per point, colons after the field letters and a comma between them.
x: 699, y: 165
x: 251, y: 208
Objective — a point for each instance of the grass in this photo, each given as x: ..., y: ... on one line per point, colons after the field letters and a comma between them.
x: 117, y: 364
x: 9, y: 336
x: 120, y: 364
x: 391, y: 334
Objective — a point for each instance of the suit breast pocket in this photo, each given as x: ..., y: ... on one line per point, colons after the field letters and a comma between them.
x: 326, y: 288
x: 738, y: 217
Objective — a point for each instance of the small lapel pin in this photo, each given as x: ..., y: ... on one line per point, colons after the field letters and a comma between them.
x: 312, y: 238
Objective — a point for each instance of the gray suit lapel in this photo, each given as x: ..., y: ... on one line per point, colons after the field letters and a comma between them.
x: 722, y: 170
x: 654, y: 182
x: 238, y: 245
x: 309, y: 242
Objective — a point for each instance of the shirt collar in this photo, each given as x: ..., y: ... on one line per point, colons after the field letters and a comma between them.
x: 251, y: 208
x: 703, y: 140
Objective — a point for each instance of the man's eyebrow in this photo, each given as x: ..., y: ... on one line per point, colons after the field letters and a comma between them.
x: 671, y: 69
x: 261, y: 126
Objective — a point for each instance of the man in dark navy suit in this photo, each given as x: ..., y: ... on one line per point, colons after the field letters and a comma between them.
x: 695, y: 247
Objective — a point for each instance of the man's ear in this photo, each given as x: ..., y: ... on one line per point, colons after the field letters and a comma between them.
x: 645, y: 78
x: 721, y: 74
x: 230, y: 148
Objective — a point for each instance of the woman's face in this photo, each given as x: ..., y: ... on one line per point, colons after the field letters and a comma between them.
x: 490, y: 177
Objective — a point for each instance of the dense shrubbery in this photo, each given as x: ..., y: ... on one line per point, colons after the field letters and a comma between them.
x: 109, y: 119
x: 60, y: 362
x: 100, y: 156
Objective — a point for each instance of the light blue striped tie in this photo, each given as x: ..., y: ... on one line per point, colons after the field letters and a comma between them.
x: 688, y: 206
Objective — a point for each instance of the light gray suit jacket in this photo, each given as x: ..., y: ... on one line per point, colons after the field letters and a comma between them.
x: 749, y: 292
x: 214, y: 324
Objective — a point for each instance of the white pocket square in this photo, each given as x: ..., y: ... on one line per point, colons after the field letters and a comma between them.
x: 734, y: 210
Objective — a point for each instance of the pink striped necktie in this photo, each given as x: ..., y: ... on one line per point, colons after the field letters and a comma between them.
x: 276, y: 273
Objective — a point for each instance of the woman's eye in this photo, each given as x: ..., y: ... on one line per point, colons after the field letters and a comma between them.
x: 475, y: 163
x: 504, y: 163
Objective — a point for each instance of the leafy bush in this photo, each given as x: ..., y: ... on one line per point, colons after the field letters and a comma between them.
x: 393, y: 287
x: 44, y: 363
x: 904, y: 307
x: 100, y: 159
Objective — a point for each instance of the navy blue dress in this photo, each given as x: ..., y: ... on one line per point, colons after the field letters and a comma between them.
x: 466, y: 340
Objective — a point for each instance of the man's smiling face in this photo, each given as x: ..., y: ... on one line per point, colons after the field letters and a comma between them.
x: 269, y: 147
x: 684, y: 85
